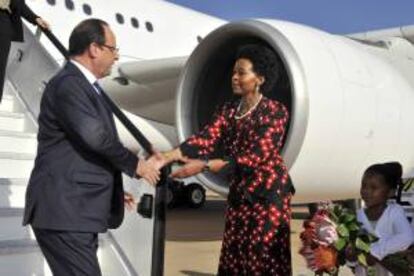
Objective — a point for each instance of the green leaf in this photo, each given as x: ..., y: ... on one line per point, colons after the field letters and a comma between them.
x: 371, y: 271
x: 353, y: 227
x: 342, y: 230
x: 333, y: 217
x: 360, y: 244
x: 362, y: 259
x: 340, y: 244
x: 349, y: 218
x: 372, y: 238
x: 337, y: 210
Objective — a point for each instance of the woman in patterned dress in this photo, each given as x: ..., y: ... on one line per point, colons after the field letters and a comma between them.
x: 250, y: 131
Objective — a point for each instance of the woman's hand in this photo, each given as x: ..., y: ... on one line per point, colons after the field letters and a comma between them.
x: 42, y: 23
x: 174, y: 155
x: 195, y: 166
x: 216, y: 165
x: 190, y: 168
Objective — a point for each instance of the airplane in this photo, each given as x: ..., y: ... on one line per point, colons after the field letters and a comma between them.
x: 349, y: 96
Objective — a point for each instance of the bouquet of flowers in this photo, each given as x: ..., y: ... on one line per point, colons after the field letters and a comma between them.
x: 333, y: 232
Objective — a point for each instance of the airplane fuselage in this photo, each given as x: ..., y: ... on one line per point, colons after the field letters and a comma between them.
x: 144, y: 29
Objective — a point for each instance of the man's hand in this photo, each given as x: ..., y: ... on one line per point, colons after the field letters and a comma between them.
x: 148, y: 170
x: 190, y: 168
x: 157, y: 160
x: 42, y: 23
x: 129, y: 201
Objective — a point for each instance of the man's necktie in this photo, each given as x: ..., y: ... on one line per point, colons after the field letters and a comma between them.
x: 104, y: 98
x: 98, y: 88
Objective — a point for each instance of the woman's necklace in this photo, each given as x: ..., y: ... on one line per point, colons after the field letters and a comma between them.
x: 237, y: 117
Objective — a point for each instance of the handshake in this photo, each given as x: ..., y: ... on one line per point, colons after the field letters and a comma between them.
x: 149, y: 169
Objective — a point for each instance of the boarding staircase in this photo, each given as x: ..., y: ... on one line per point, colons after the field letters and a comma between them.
x: 19, y: 253
x: 127, y: 251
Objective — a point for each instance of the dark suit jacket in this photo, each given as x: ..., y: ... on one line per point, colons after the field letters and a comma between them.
x: 76, y: 182
x: 11, y: 24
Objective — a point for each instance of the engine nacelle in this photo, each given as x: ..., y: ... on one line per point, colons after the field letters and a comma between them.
x: 350, y: 101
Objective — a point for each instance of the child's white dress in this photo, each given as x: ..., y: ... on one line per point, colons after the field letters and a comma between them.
x: 394, y: 232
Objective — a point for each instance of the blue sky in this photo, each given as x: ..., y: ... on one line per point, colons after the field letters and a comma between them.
x: 336, y: 16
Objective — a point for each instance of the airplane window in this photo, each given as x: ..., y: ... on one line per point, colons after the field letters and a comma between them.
x: 87, y: 9
x: 149, y: 27
x: 69, y: 5
x: 119, y: 18
x: 134, y: 22
x: 51, y: 2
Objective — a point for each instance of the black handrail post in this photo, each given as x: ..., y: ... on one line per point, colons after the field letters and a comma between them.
x: 157, y: 266
x: 158, y: 238
x: 160, y: 205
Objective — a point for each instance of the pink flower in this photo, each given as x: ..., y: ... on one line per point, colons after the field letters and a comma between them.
x: 325, y: 229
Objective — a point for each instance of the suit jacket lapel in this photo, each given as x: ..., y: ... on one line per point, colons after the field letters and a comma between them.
x: 93, y: 95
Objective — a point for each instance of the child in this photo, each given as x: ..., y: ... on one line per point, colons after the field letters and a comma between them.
x: 386, y: 221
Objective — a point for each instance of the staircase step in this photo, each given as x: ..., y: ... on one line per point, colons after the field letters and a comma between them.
x: 11, y: 225
x: 7, y: 103
x: 12, y: 194
x: 18, y: 134
x: 14, y: 181
x: 8, y: 89
x: 22, y: 257
x: 27, y: 262
x: 16, y: 155
x: 19, y: 246
x: 10, y: 97
x: 18, y: 142
x: 16, y: 165
x: 12, y: 121
x: 11, y: 212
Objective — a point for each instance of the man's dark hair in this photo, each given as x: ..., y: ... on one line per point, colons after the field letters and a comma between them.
x: 265, y: 63
x: 85, y: 33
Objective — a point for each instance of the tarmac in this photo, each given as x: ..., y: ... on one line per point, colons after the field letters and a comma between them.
x: 193, y: 239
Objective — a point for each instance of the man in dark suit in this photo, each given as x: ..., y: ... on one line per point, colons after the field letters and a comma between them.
x: 75, y: 189
x: 11, y: 29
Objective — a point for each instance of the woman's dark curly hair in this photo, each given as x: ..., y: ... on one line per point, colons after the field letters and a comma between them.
x: 265, y: 63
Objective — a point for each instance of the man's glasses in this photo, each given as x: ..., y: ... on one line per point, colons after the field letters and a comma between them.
x: 111, y: 48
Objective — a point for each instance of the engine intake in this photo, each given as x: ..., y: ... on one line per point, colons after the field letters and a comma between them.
x: 206, y: 83
x: 350, y: 101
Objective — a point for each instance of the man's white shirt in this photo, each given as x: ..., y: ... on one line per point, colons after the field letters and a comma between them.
x: 88, y: 74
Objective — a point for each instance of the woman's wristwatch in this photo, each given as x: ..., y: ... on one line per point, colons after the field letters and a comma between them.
x: 206, y: 167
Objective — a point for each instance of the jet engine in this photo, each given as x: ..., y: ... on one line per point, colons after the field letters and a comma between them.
x: 350, y: 101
